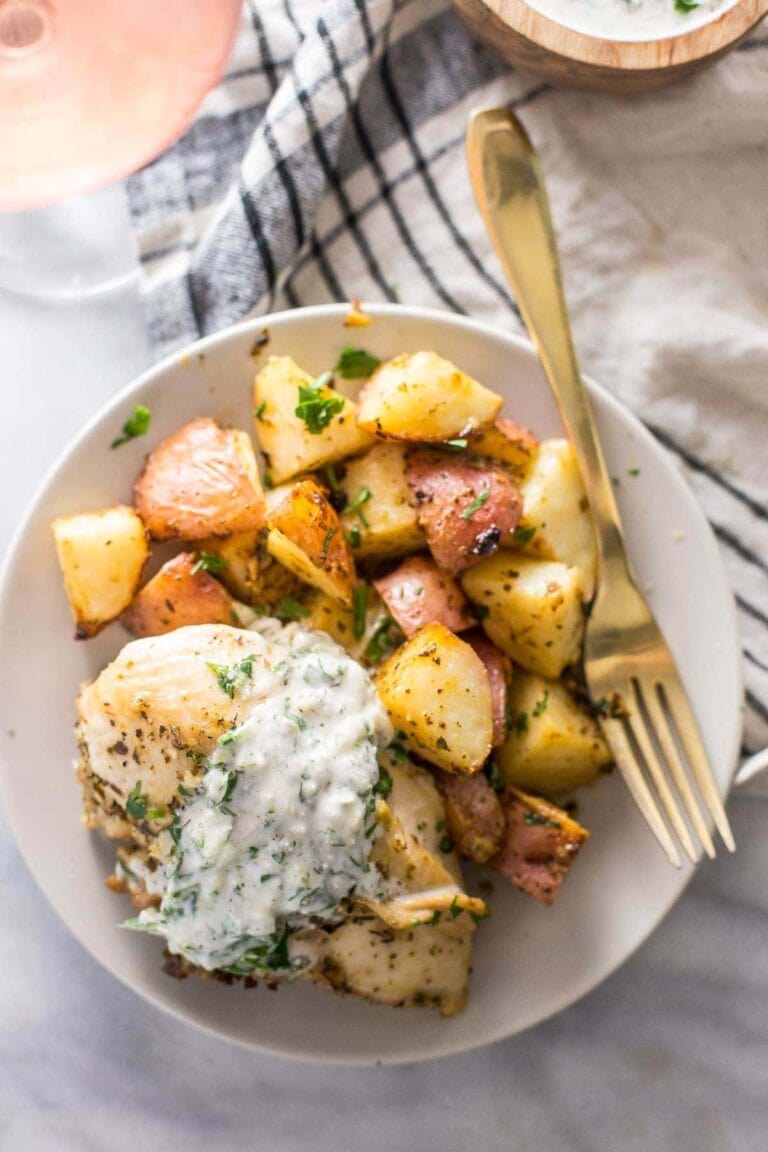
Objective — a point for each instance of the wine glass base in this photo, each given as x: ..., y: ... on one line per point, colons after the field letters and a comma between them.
x: 69, y: 251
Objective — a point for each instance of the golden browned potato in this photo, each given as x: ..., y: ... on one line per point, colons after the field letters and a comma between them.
x: 306, y: 538
x: 554, y: 745
x: 322, y: 431
x: 507, y: 441
x: 379, y: 519
x: 202, y: 481
x: 534, y: 609
x: 102, y: 555
x: 236, y: 563
x: 419, y: 966
x: 539, y: 845
x: 422, y: 397
x: 466, y: 509
x: 556, y: 522
x: 417, y: 593
x: 474, y: 818
x: 436, y: 691
x: 499, y: 669
x: 180, y: 593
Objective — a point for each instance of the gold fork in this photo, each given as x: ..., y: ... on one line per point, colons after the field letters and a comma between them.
x: 630, y: 671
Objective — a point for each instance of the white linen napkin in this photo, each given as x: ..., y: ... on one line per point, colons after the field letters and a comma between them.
x: 329, y: 163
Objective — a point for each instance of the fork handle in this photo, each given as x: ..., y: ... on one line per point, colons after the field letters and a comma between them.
x: 510, y: 191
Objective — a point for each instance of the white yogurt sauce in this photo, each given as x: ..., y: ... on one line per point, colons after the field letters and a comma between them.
x: 629, y: 19
x: 280, y: 830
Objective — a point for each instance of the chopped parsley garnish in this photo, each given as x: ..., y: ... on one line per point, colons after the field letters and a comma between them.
x: 290, y: 609
x: 457, y: 445
x: 331, y: 479
x: 299, y: 721
x: 531, y: 817
x: 317, y: 410
x: 136, y: 425
x: 269, y: 955
x: 686, y: 5
x: 446, y: 844
x: 476, y: 504
x: 636, y: 471
x: 520, y: 723
x: 442, y: 743
x: 454, y: 909
x: 379, y: 643
x: 478, y: 917
x: 259, y: 412
x: 522, y: 536
x: 356, y: 505
x: 355, y: 363
x: 210, y: 562
x: 383, y: 785
x: 229, y: 679
x: 541, y: 704
x: 231, y: 783
x: 359, y: 609
x: 397, y: 750
x: 268, y: 481
x: 495, y: 778
x: 354, y: 537
x: 327, y: 543
x: 136, y: 804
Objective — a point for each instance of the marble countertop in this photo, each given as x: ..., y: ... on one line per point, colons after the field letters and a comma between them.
x: 670, y: 1053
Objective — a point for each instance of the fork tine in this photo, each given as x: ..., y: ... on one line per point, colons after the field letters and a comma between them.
x: 633, y: 778
x: 660, y: 724
x: 683, y: 724
x: 639, y: 730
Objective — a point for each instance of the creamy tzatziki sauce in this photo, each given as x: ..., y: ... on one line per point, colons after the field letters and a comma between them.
x: 280, y: 829
x: 630, y: 19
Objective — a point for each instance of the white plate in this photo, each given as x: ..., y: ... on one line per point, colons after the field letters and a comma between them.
x: 530, y: 961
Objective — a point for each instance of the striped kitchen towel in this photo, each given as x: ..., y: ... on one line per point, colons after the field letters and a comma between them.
x: 329, y: 163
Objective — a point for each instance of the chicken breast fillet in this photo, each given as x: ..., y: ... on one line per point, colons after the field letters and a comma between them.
x: 159, y: 705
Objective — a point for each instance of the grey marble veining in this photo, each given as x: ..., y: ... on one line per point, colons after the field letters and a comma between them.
x: 671, y: 1053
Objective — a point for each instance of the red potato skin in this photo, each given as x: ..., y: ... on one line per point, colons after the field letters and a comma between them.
x: 194, y: 485
x: 417, y: 593
x: 540, y: 843
x: 444, y: 488
x: 177, y: 596
x: 499, y: 669
x: 474, y: 816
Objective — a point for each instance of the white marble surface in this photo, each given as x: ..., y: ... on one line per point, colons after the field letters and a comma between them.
x: 670, y: 1053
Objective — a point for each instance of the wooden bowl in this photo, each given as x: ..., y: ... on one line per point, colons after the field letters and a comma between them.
x: 544, y: 48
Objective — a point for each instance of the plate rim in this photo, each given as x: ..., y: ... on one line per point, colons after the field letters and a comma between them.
x: 524, y: 345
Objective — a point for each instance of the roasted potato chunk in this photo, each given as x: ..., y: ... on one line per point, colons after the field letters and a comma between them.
x: 539, y: 845
x: 328, y: 430
x: 465, y: 509
x: 421, y: 966
x: 417, y: 593
x: 508, y: 442
x: 534, y: 609
x: 423, y: 398
x: 180, y: 593
x: 554, y: 745
x: 202, y: 481
x: 499, y: 669
x: 238, y: 569
x: 305, y: 536
x: 381, y: 520
x: 556, y: 523
x: 436, y: 691
x: 101, y: 555
x: 474, y: 816
x: 378, y: 637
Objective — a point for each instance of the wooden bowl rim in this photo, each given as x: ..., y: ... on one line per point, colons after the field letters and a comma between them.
x: 629, y: 55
